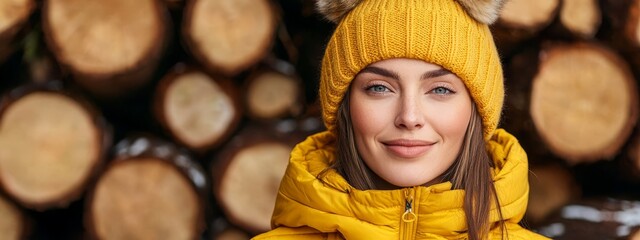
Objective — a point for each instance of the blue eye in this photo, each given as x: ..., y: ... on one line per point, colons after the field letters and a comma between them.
x: 378, y: 88
x: 442, y: 91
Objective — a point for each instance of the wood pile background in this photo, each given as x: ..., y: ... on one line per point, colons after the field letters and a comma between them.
x: 173, y: 119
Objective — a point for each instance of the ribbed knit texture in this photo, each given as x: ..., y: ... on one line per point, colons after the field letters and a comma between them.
x: 436, y: 31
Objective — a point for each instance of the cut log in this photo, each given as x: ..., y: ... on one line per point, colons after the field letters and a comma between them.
x: 151, y: 190
x: 530, y: 15
x: 247, y: 175
x: 52, y: 146
x: 552, y: 187
x: 232, y: 233
x: 522, y: 19
x: 110, y: 47
x: 228, y: 36
x: 198, y: 111
x: 594, y: 219
x: 583, y: 101
x: 635, y: 235
x: 632, y: 24
x: 271, y: 94
x: 630, y: 166
x: 621, y: 29
x: 581, y: 18
x: 518, y: 74
x: 12, y: 225
x: 14, y: 15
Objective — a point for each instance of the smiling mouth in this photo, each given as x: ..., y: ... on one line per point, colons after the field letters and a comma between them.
x: 408, y: 148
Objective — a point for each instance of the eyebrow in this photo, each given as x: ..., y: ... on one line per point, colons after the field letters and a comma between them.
x: 435, y: 73
x: 380, y: 71
x: 394, y: 75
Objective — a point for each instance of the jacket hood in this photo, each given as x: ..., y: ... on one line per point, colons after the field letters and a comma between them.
x: 330, y: 204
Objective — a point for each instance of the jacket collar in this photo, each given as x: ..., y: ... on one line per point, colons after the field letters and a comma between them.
x: 438, y: 207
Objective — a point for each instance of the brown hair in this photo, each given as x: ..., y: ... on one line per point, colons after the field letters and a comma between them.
x: 470, y: 171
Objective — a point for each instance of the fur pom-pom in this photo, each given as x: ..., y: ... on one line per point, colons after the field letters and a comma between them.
x: 484, y: 11
x: 334, y: 10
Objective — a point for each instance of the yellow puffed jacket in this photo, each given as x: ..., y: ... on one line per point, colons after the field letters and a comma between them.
x: 310, y: 208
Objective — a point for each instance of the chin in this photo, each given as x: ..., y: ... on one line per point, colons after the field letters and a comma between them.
x: 409, y: 182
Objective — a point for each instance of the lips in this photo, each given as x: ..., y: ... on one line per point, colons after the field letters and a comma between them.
x: 406, y: 148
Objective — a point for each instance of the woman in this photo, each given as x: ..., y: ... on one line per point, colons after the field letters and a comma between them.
x: 411, y: 93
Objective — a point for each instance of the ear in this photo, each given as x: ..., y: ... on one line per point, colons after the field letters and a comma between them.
x: 484, y: 11
x: 334, y: 10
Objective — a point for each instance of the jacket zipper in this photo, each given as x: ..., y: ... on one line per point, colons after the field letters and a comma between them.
x: 408, y: 219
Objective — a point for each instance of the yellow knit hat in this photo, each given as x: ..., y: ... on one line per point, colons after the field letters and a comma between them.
x: 440, y: 32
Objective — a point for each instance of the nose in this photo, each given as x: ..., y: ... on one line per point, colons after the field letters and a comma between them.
x: 410, y: 114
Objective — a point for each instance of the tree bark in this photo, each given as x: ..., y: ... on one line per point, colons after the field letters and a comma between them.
x: 151, y: 190
x: 53, y: 143
x: 583, y: 101
x: 228, y: 36
x: 197, y: 110
x: 110, y: 48
x: 15, y: 15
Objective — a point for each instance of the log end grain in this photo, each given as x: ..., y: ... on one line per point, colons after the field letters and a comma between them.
x: 14, y: 12
x: 532, y: 15
x: 247, y: 177
x: 198, y: 110
x: 583, y: 101
x: 151, y: 190
x: 272, y: 95
x: 110, y: 48
x: 582, y: 18
x: 97, y: 38
x: 52, y: 146
x: 144, y: 199
x: 229, y: 36
x: 14, y: 15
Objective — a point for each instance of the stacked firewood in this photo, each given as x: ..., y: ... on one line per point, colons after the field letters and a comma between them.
x: 149, y: 119
x: 571, y: 70
x: 174, y: 119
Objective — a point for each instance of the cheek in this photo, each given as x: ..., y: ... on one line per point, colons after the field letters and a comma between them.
x: 452, y: 123
x: 368, y: 117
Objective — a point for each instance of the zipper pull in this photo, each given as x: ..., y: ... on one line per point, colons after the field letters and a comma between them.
x: 408, y: 215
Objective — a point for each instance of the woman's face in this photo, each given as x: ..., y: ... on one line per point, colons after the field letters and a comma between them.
x: 409, y: 119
